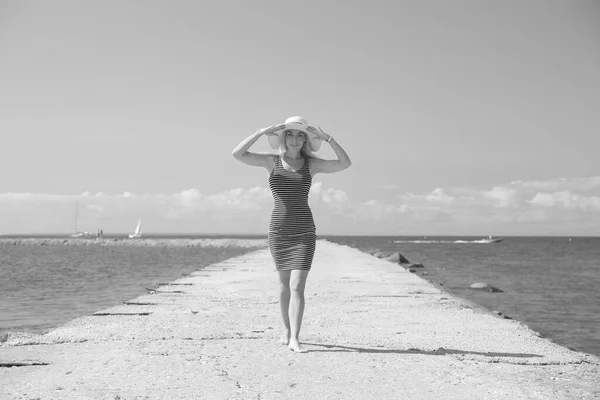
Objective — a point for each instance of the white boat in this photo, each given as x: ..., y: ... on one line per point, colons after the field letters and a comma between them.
x: 82, y: 235
x: 490, y: 239
x: 138, y: 231
x: 79, y: 234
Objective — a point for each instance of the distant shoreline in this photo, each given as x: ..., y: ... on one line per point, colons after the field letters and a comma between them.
x: 175, y: 242
x: 123, y: 235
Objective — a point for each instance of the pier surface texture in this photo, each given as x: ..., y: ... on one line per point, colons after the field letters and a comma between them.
x: 372, y: 329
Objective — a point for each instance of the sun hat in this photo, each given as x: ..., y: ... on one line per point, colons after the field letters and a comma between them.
x: 299, y: 124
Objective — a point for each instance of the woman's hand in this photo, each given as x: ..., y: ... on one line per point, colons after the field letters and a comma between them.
x: 271, y: 130
x: 319, y: 132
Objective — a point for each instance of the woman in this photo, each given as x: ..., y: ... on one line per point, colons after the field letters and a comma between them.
x: 291, y: 229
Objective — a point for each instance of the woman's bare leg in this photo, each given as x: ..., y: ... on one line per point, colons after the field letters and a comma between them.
x: 296, y: 311
x: 284, y: 304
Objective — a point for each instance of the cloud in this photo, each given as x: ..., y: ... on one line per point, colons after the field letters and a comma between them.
x: 438, y: 196
x: 96, y: 208
x: 502, y: 196
x: 188, y: 197
x: 315, y: 190
x: 508, y: 204
x: 332, y: 196
x: 583, y: 184
x: 376, y: 210
x: 437, y: 199
x: 513, y: 205
x: 245, y: 199
x: 186, y: 204
x: 388, y: 187
x: 231, y: 201
x: 566, y: 200
x: 371, y: 202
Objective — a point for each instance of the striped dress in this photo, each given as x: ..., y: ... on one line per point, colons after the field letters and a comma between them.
x: 292, y: 234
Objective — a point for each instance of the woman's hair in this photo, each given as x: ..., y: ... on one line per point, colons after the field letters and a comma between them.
x: 305, y: 150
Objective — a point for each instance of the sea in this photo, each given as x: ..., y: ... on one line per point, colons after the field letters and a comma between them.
x: 552, y: 284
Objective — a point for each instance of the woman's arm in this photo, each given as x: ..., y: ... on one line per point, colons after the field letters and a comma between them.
x: 329, y: 166
x: 242, y: 154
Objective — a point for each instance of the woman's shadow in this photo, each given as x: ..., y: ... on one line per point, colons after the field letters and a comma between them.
x: 438, y: 352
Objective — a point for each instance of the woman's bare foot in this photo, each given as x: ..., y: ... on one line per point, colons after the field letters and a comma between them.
x: 285, y: 338
x: 296, y: 347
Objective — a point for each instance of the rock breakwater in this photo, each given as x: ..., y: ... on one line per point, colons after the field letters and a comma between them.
x: 217, y: 242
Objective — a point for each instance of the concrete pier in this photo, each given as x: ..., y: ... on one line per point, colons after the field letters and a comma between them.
x: 373, y: 331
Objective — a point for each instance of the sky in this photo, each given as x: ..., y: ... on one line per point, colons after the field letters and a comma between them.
x: 460, y: 118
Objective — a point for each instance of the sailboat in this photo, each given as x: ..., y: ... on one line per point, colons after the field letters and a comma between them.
x: 77, y: 233
x: 138, y: 231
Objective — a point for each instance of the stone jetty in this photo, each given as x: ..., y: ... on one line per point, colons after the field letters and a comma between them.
x: 145, y: 242
x: 372, y: 329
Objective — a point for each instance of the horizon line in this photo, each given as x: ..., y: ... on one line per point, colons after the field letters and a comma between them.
x: 154, y: 235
